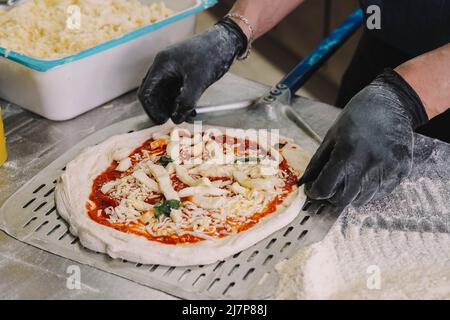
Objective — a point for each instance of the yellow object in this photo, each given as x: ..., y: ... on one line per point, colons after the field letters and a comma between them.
x: 3, y: 154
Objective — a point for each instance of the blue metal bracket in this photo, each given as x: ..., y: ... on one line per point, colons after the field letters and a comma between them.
x: 309, y: 65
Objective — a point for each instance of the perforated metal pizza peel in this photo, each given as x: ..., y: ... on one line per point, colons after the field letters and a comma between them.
x: 30, y: 216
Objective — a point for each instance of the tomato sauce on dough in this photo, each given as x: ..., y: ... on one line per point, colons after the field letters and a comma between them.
x: 100, y: 201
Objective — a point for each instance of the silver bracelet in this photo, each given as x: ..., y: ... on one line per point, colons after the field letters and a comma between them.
x: 252, y: 33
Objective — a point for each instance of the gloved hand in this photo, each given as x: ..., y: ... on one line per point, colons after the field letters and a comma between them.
x: 369, y: 149
x: 181, y: 73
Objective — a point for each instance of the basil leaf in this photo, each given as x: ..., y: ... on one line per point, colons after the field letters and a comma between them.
x: 161, y: 209
x: 164, y: 161
x: 164, y: 207
x: 174, y: 204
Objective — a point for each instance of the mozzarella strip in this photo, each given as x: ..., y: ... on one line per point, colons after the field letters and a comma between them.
x: 163, y: 178
x: 184, y: 176
x: 259, y: 184
x: 208, y: 202
x: 176, y: 215
x: 124, y: 165
x: 202, y: 190
x: 197, y: 149
x: 178, y: 133
x: 238, y: 189
x: 142, y: 177
x: 213, y: 170
x: 141, y: 205
x: 255, y: 184
x: 173, y: 151
x: 269, y: 170
x: 107, y: 187
x: 214, y: 149
x: 240, y: 176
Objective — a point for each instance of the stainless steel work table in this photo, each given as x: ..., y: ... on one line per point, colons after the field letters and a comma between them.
x: 33, y: 143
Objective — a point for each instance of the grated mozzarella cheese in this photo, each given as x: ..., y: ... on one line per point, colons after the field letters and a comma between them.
x: 215, y: 207
x: 52, y: 29
x: 142, y: 177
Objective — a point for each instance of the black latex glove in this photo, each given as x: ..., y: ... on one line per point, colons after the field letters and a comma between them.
x: 369, y: 149
x: 181, y: 73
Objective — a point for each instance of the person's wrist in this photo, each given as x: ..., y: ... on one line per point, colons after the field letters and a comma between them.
x: 248, y: 29
x: 244, y: 28
x: 409, y: 74
x: 407, y: 97
x: 237, y: 32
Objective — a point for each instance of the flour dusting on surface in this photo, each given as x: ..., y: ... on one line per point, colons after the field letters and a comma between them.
x: 395, y: 248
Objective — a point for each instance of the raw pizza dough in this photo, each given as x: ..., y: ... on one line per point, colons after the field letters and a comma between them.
x: 74, y: 188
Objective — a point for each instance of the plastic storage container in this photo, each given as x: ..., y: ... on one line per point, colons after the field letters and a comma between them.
x: 65, y: 88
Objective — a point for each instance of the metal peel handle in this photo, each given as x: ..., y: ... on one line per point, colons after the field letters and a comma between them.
x: 3, y: 154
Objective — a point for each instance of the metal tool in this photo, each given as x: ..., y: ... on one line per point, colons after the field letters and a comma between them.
x: 30, y: 215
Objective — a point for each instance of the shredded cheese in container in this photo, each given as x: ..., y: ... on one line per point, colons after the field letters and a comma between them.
x: 53, y: 29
